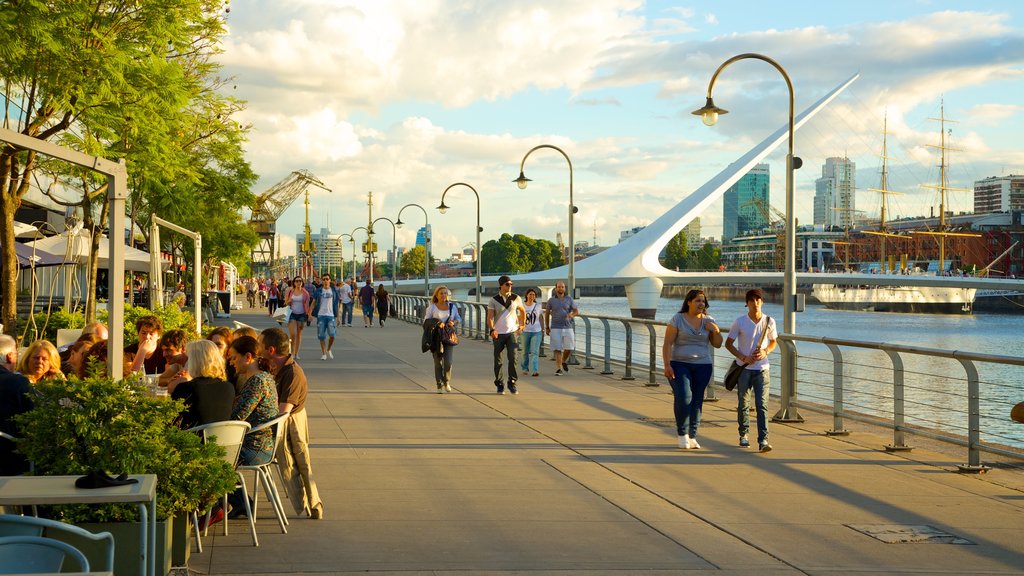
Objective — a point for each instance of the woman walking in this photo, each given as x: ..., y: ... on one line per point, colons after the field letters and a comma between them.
x: 442, y: 310
x: 272, y: 294
x: 686, y: 354
x: 298, y: 298
x: 533, y: 333
x: 382, y: 304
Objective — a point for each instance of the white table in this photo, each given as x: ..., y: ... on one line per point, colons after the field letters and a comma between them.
x: 52, y: 490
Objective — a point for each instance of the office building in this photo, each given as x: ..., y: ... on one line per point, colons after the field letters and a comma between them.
x: 835, y: 194
x: 746, y: 204
x: 999, y: 194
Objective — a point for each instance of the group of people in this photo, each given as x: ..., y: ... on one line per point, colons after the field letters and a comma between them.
x: 686, y: 354
x: 231, y: 375
x: 508, y: 318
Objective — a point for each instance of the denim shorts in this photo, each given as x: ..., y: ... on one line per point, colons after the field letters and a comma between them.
x: 326, y: 326
x: 300, y: 318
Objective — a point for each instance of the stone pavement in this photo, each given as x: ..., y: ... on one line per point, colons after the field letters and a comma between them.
x: 580, y: 475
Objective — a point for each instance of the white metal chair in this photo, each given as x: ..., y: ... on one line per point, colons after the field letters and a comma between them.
x: 229, y: 435
x: 14, y: 525
x: 37, y: 555
x: 264, y: 471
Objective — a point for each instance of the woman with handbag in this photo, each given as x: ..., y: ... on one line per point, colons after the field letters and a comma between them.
x: 447, y: 314
x: 686, y: 354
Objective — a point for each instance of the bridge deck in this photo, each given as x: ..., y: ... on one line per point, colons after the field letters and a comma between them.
x: 573, y: 476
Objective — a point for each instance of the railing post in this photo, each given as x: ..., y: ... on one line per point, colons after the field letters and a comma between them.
x: 652, y: 363
x: 629, y: 351
x: 899, y: 436
x: 607, y: 347
x: 787, y: 410
x: 837, y: 392
x: 587, y: 348
x: 974, y: 464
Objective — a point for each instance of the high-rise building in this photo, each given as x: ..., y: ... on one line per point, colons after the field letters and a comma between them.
x: 421, y: 236
x: 999, y: 194
x: 835, y: 194
x: 693, y: 234
x: 746, y: 203
x: 327, y: 248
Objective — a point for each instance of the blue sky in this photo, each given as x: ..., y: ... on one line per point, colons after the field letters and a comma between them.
x: 406, y: 97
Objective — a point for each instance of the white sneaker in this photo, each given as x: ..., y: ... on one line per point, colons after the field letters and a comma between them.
x: 693, y: 444
x: 684, y: 441
x: 447, y: 387
x: 296, y: 356
x: 323, y: 356
x: 330, y: 355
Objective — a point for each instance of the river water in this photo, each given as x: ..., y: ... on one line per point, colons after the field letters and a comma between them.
x: 935, y: 388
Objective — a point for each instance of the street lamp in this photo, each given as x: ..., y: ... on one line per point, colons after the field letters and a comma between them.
x: 522, y: 181
x: 426, y: 245
x: 353, y: 237
x: 394, y: 250
x: 442, y: 209
x: 709, y: 114
x: 353, y: 241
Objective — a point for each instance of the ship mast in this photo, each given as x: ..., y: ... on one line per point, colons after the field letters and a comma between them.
x: 943, y: 187
x: 883, y: 189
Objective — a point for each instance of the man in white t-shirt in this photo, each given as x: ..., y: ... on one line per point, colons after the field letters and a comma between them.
x: 506, y: 318
x: 347, y: 303
x: 745, y: 342
x: 327, y: 311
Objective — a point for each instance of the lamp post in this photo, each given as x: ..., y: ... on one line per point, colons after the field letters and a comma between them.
x: 352, y: 236
x: 353, y: 241
x: 394, y: 250
x: 442, y: 209
x: 426, y: 245
x: 522, y: 181
x: 709, y: 114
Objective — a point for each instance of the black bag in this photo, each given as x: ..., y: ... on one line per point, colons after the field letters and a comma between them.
x: 732, y: 376
x: 449, y: 336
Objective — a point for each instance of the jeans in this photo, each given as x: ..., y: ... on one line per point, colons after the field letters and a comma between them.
x: 688, y: 386
x: 443, y: 365
x: 326, y: 326
x: 531, y: 351
x: 346, y: 313
x: 757, y: 381
x: 506, y: 342
x: 247, y: 457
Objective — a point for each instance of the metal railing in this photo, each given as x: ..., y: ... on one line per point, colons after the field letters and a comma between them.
x: 632, y: 344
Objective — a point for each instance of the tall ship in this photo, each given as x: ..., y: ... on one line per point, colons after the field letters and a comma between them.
x: 913, y: 299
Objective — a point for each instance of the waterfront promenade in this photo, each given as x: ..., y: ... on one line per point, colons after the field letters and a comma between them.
x: 580, y: 475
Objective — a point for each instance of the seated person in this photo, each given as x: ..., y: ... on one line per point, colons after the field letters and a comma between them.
x: 71, y: 359
x: 40, y: 362
x: 202, y: 385
x: 15, y: 398
x: 146, y: 355
x: 222, y: 337
x: 172, y: 347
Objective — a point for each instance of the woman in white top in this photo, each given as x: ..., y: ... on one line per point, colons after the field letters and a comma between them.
x: 297, y: 298
x: 443, y: 310
x: 533, y: 333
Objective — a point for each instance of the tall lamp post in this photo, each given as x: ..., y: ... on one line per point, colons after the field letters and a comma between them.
x: 394, y: 250
x: 353, y: 237
x: 709, y: 114
x: 442, y: 209
x: 426, y: 245
x: 353, y: 241
x: 522, y: 181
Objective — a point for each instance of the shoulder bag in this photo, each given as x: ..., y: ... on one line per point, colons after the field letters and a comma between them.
x: 448, y: 334
x: 732, y: 376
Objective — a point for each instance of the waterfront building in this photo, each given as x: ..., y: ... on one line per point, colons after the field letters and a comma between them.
x: 626, y: 234
x: 745, y: 204
x: 693, y: 234
x: 834, y: 194
x: 999, y: 194
x: 421, y: 236
x: 327, y: 248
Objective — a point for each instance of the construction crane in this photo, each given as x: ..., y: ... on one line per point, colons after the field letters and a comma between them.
x: 772, y: 216
x: 270, y: 205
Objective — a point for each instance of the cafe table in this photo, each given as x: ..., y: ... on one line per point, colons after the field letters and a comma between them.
x: 53, y: 490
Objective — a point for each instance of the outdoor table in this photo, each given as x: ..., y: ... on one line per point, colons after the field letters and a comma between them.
x: 52, y: 490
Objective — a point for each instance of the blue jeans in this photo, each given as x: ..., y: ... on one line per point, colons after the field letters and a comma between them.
x: 506, y: 343
x: 688, y: 386
x: 756, y: 381
x: 326, y: 326
x: 346, y: 313
x: 531, y: 351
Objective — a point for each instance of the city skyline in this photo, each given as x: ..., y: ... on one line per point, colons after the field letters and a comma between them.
x: 404, y: 99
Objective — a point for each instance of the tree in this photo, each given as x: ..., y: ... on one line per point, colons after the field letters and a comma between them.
x: 109, y: 78
x: 707, y: 258
x: 412, y: 262
x: 675, y: 252
x: 515, y: 254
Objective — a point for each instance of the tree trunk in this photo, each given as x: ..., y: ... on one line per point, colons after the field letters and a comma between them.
x: 9, y: 265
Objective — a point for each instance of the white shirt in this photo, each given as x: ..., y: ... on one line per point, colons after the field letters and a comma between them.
x: 533, y: 317
x: 746, y: 334
x: 346, y: 294
x: 506, y: 320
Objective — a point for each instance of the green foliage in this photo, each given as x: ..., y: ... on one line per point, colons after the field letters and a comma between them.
x: 78, y: 426
x: 44, y: 326
x: 676, y: 252
x: 170, y: 315
x: 412, y: 262
x: 707, y: 258
x: 515, y: 254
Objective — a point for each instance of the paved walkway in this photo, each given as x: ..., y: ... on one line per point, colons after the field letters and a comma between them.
x: 580, y: 475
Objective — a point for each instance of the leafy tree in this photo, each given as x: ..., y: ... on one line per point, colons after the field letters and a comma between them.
x: 519, y: 253
x: 707, y: 258
x: 412, y: 262
x: 675, y: 252
x: 126, y: 79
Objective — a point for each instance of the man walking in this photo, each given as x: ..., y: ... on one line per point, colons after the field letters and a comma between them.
x: 506, y: 318
x: 293, y: 459
x: 347, y: 301
x: 326, y: 307
x: 558, y: 315
x: 751, y: 338
x: 366, y: 300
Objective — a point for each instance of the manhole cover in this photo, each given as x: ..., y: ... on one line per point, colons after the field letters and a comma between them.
x: 907, y: 534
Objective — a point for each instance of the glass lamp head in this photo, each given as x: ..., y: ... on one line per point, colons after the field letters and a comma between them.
x: 399, y: 223
x: 443, y: 207
x: 522, y: 181
x: 709, y: 113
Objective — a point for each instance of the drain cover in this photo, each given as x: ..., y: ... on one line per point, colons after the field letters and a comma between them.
x: 908, y: 534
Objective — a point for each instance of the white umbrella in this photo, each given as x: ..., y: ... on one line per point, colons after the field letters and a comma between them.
x: 134, y: 259
x: 22, y: 230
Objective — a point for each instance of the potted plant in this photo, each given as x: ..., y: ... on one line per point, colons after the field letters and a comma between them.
x: 98, y: 424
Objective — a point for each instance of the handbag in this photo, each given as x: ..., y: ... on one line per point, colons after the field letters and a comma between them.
x: 732, y: 375
x: 449, y: 337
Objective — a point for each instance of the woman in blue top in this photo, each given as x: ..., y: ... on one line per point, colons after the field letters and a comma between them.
x: 447, y: 313
x: 686, y: 354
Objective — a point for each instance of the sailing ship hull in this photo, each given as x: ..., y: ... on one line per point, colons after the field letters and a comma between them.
x: 908, y: 299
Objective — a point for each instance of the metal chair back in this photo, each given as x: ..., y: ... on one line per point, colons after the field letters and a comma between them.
x: 37, y: 555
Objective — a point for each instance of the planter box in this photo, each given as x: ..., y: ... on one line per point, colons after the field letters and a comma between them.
x: 181, y: 540
x: 126, y: 546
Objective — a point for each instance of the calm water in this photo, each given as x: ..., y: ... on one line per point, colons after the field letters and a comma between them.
x: 935, y: 388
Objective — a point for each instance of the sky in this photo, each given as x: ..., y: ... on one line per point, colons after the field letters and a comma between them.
x: 404, y: 98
